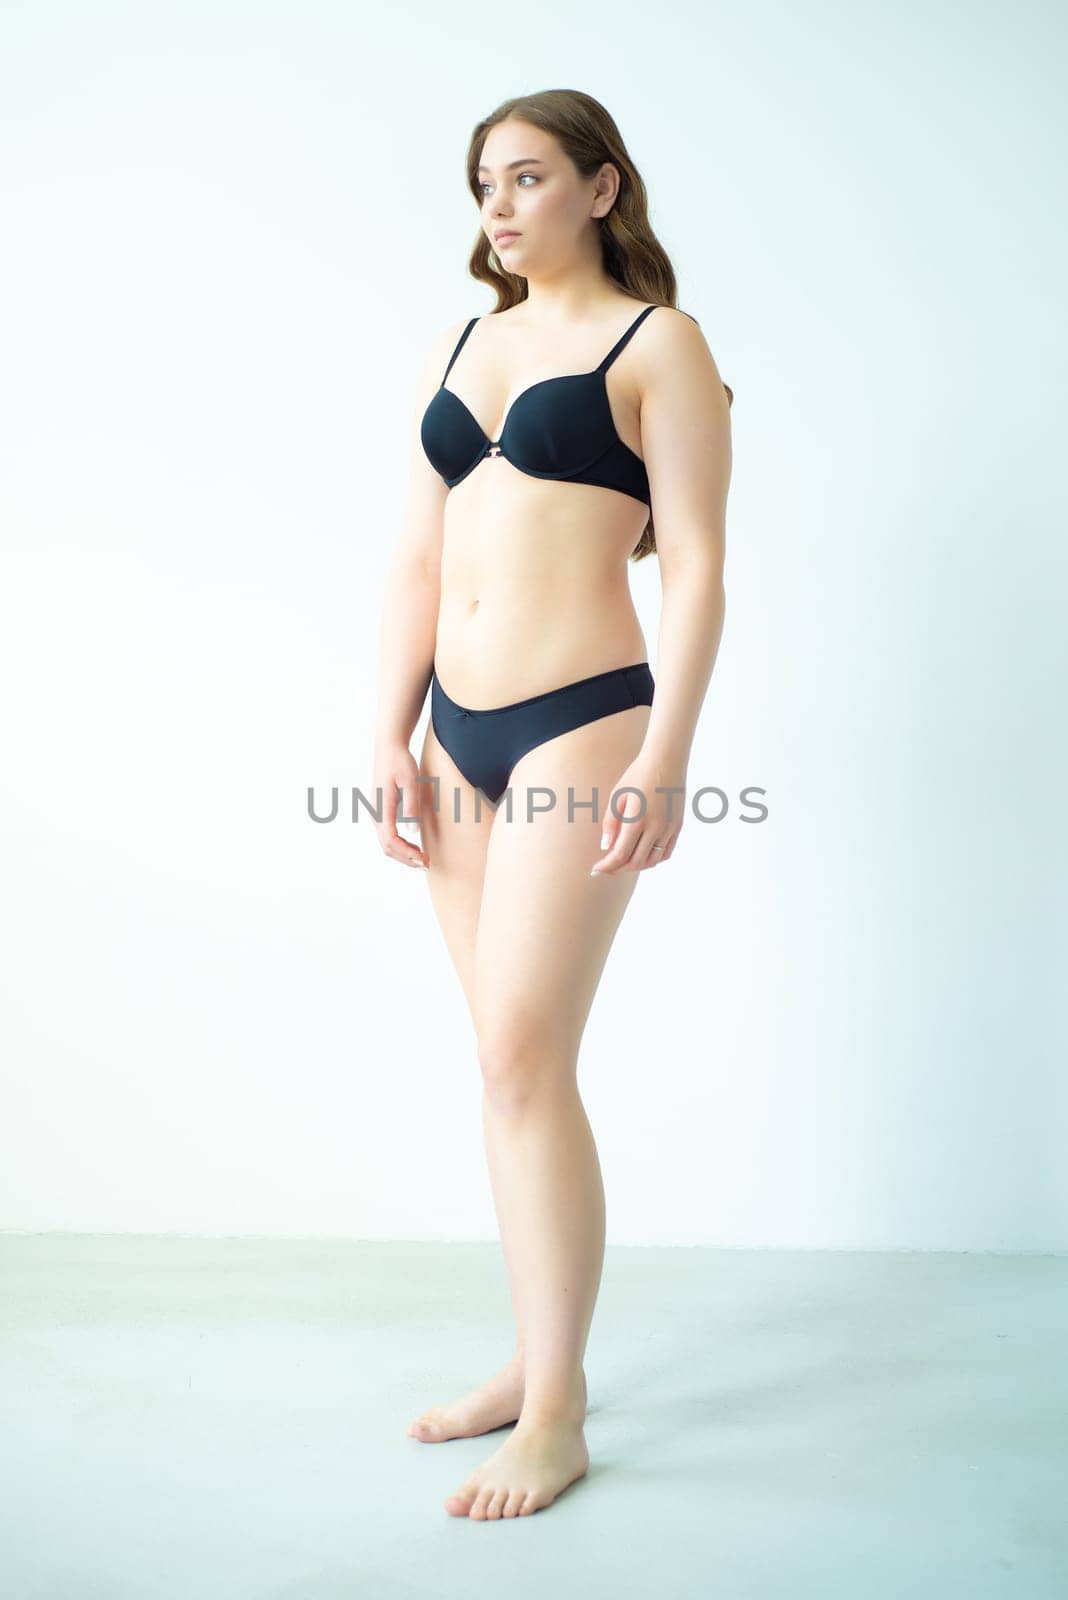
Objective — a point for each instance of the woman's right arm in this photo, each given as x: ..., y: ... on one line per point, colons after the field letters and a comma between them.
x: 409, y: 625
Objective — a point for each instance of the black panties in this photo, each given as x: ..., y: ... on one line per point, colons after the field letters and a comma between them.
x: 486, y: 745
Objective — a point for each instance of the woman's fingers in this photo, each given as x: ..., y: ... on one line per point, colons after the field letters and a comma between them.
x: 397, y: 788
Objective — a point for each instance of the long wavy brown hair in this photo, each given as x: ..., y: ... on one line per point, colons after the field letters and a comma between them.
x: 633, y: 255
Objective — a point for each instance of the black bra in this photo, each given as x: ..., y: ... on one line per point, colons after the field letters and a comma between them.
x: 558, y: 428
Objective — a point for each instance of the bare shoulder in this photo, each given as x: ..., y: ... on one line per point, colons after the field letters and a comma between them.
x: 435, y: 359
x: 441, y: 347
x: 675, y: 343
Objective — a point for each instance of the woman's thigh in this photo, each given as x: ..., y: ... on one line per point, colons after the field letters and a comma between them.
x: 545, y: 925
x: 457, y: 851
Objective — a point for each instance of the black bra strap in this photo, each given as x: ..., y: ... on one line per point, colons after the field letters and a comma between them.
x: 617, y: 347
x: 459, y: 346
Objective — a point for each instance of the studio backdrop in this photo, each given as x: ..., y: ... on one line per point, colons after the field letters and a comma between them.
x: 835, y: 1018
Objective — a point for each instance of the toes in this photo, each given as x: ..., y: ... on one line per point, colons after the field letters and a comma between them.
x: 482, y: 1500
x: 527, y: 1504
x: 514, y: 1501
x: 496, y: 1505
x: 459, y: 1504
x: 429, y: 1429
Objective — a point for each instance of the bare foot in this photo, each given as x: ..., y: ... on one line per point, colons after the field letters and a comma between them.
x: 534, y: 1464
x: 490, y: 1406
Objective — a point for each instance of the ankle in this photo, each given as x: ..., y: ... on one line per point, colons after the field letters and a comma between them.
x: 566, y: 1405
x: 550, y: 1413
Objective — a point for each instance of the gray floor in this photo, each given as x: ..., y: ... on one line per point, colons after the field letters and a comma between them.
x: 191, y: 1418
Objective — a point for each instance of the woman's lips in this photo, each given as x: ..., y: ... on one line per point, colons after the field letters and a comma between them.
x: 505, y: 238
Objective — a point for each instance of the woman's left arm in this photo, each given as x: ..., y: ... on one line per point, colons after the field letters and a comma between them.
x: 686, y: 445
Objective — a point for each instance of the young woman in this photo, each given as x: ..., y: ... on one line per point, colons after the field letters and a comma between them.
x: 581, y: 402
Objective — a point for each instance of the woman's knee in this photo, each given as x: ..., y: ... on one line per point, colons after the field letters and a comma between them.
x: 520, y: 1060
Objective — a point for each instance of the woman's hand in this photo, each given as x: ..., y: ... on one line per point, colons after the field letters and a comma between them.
x: 396, y: 769
x: 629, y: 844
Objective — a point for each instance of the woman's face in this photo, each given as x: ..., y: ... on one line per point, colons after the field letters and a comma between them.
x: 531, y: 188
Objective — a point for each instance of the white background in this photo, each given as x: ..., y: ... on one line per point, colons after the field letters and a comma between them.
x: 229, y: 234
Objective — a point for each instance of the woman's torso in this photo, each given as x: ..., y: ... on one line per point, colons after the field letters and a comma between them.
x: 534, y: 572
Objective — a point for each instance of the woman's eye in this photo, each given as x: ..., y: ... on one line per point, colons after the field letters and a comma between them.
x: 533, y: 175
